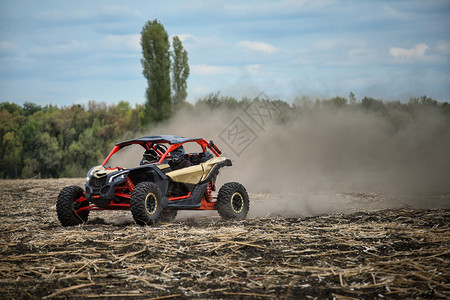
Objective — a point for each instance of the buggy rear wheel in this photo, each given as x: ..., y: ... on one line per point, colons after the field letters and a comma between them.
x: 145, y: 203
x: 67, y: 206
x: 232, y: 201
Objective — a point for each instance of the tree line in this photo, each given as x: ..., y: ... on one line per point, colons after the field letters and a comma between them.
x: 51, y: 141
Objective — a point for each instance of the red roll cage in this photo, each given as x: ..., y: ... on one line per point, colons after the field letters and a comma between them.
x: 152, y: 142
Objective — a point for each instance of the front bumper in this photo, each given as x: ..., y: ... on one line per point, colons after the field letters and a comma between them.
x: 100, y: 190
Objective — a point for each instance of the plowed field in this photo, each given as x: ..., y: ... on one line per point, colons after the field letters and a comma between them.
x: 367, y: 249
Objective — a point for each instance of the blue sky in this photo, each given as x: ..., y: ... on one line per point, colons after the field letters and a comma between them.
x: 65, y: 52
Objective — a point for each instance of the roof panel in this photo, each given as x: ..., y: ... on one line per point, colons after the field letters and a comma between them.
x: 171, y: 139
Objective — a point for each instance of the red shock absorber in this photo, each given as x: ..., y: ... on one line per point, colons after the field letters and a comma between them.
x: 208, y: 193
x: 129, y: 184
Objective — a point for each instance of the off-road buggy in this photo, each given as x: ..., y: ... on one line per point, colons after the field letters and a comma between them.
x: 153, y: 190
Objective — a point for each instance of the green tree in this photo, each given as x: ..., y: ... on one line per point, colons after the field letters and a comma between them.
x: 446, y: 108
x: 48, y: 154
x: 88, y: 151
x: 11, y: 107
x: 10, y: 147
x: 369, y: 103
x: 27, y: 137
x: 180, y: 72
x: 156, y: 64
x: 30, y: 168
x: 30, y: 108
x: 335, y: 102
x: 215, y: 101
x: 423, y: 101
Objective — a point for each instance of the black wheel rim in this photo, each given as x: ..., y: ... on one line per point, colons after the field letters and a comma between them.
x: 150, y: 203
x: 237, y: 202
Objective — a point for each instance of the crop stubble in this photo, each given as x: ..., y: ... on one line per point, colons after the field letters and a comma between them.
x: 401, y: 253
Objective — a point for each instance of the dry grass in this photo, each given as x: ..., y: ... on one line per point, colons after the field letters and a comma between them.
x: 396, y: 253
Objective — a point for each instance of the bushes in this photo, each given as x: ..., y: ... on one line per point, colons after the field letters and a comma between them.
x: 54, y: 142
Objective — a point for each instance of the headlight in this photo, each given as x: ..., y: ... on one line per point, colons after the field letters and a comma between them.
x: 121, y: 175
x: 88, y: 175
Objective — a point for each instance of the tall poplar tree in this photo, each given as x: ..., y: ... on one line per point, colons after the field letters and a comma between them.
x: 156, y: 63
x: 180, y: 72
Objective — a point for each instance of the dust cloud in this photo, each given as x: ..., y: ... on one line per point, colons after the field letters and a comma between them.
x: 318, y: 160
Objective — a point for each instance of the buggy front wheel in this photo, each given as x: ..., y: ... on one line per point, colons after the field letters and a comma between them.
x: 232, y: 201
x: 145, y: 203
x: 67, y: 206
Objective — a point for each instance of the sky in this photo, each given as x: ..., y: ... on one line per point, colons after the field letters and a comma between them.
x: 70, y: 52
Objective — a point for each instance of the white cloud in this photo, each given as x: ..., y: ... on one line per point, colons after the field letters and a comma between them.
x: 416, y: 52
x: 258, y: 46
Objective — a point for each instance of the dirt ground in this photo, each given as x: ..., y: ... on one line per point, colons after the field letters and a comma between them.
x: 361, y: 247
